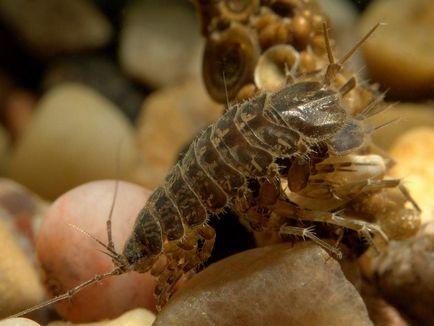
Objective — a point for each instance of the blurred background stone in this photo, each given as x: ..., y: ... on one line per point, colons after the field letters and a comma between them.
x: 400, y: 54
x: 276, y: 285
x: 18, y: 322
x: 51, y: 27
x: 160, y: 42
x: 404, y: 116
x: 136, y: 317
x: 76, y: 136
x: 380, y: 311
x: 23, y: 211
x: 101, y: 73
x: 405, y: 276
x: 4, y: 149
x: 20, y: 287
x: 414, y: 152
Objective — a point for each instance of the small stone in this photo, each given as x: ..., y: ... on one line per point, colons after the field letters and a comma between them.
x: 405, y: 277
x: 136, y: 317
x: 68, y: 257
x: 18, y: 322
x: 75, y: 136
x: 100, y: 73
x: 160, y: 42
x: 23, y: 211
x: 18, y: 111
x: 169, y: 120
x: 404, y: 116
x: 19, y: 282
x: 414, y: 152
x: 4, y: 149
x: 400, y: 54
x: 380, y: 311
x: 276, y: 285
x: 52, y: 27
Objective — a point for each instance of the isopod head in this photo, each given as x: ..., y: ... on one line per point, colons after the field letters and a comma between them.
x: 312, y: 110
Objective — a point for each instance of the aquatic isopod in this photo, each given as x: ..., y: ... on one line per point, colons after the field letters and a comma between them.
x: 235, y: 163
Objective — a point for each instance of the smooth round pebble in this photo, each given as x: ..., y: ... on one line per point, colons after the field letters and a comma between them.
x: 414, y: 152
x: 75, y: 136
x: 18, y: 322
x: 135, y: 317
x: 102, y: 74
x: 69, y: 257
x: 19, y: 282
x: 404, y: 116
x: 4, y: 149
x: 400, y: 54
x: 276, y: 285
x: 160, y: 42
x: 51, y: 27
x: 169, y: 120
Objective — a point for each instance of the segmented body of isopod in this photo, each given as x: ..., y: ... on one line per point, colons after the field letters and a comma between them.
x: 304, y: 133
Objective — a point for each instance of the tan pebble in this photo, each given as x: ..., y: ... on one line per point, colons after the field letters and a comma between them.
x: 19, y: 283
x: 276, y: 285
x: 18, y: 322
x: 405, y: 116
x: 18, y: 111
x: 400, y: 54
x: 75, y: 136
x: 169, y: 120
x: 4, y: 149
x: 160, y: 42
x: 135, y: 317
x: 414, y: 152
x: 52, y: 27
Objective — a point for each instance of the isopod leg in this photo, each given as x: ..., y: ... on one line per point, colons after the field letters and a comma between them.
x: 363, y: 228
x: 308, y: 233
x: 182, y: 257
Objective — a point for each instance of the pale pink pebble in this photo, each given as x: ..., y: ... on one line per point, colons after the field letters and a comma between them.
x: 69, y: 257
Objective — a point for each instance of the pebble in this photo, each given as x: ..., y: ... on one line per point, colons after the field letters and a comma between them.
x: 135, y: 317
x: 169, y: 120
x: 68, y: 257
x: 160, y: 42
x: 400, y: 54
x: 102, y: 74
x: 51, y: 27
x: 414, y: 152
x: 18, y: 111
x: 276, y: 285
x: 380, y: 311
x: 405, y: 277
x: 18, y: 322
x: 19, y: 282
x: 4, y: 149
x: 405, y: 116
x: 75, y: 136
x: 23, y: 211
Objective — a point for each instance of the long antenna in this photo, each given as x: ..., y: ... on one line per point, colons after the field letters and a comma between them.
x: 71, y: 292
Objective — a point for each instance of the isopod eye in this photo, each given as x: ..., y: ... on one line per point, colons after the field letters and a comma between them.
x: 348, y: 139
